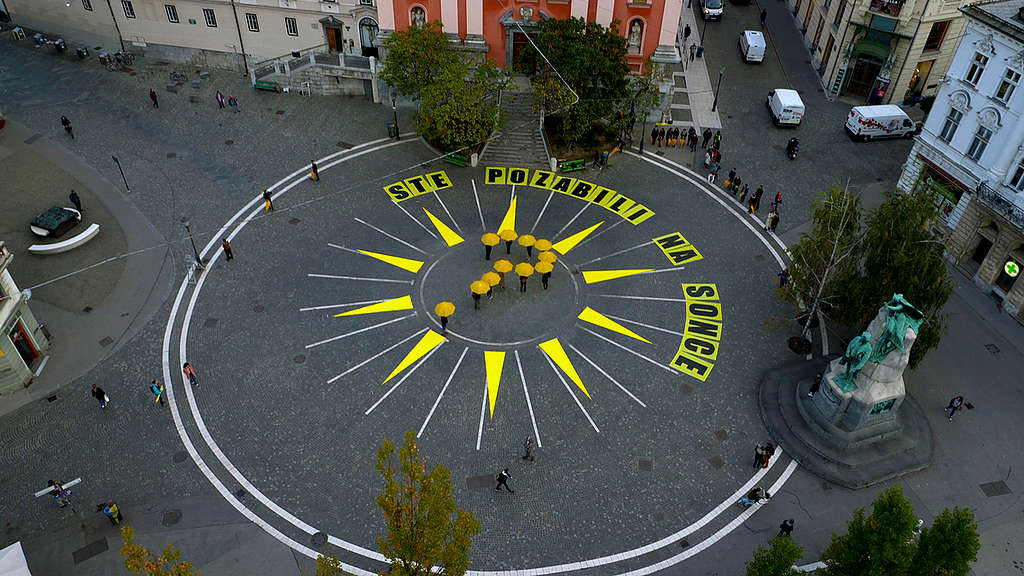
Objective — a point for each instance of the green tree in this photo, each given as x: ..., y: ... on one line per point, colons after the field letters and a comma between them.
x: 776, y: 560
x: 460, y: 107
x: 899, y: 255
x: 948, y: 546
x: 415, y: 57
x: 138, y: 560
x: 583, y: 74
x: 424, y: 527
x: 825, y: 256
x: 881, y: 544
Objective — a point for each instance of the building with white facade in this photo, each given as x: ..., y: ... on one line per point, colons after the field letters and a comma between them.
x: 970, y: 154
x: 23, y: 343
x: 232, y: 34
x: 880, y: 51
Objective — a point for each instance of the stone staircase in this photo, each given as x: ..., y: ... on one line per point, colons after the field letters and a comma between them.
x: 519, y: 142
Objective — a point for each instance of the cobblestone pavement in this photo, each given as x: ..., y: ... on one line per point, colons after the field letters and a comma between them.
x: 647, y: 473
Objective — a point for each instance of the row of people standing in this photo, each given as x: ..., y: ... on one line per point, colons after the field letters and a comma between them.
x: 676, y: 136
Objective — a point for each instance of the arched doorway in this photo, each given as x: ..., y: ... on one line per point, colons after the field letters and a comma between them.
x: 333, y: 33
x: 368, y: 36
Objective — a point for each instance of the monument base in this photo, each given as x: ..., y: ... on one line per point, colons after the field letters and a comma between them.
x: 853, y: 459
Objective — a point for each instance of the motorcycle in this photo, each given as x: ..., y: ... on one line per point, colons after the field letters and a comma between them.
x: 793, y: 149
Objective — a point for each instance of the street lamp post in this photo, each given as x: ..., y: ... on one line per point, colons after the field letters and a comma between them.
x: 394, y: 110
x: 703, y: 34
x: 718, y: 90
x: 643, y: 132
x: 199, y: 262
x: 118, y: 162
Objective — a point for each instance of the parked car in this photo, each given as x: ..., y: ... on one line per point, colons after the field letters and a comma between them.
x: 712, y: 9
x: 883, y: 121
x: 785, y: 106
x: 752, y: 46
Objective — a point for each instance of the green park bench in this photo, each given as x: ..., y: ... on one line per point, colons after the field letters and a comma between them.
x: 572, y: 165
x: 457, y: 159
x: 268, y: 85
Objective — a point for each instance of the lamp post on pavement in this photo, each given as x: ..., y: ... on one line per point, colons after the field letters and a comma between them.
x: 643, y: 133
x: 721, y: 72
x: 118, y: 162
x: 199, y: 262
x: 394, y: 110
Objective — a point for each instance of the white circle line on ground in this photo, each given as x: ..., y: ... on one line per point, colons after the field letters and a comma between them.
x: 370, y: 554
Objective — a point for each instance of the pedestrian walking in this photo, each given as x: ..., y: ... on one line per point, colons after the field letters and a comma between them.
x: 158, y: 390
x: 67, y: 126
x: 476, y: 301
x: 152, y: 96
x: 783, y: 278
x: 713, y: 173
x: 75, y: 200
x: 769, y: 451
x: 707, y: 158
x: 718, y: 139
x: 764, y: 17
x: 775, y: 220
x: 693, y: 51
x: 786, y: 528
x: 444, y: 324
x: 692, y: 138
x: 755, y: 199
x: 706, y: 137
x: 502, y: 479
x: 955, y: 404
x: 736, y: 184
x: 268, y: 200
x: 59, y: 493
x: 522, y: 283
x: 759, y: 455
x: 190, y: 373
x: 686, y: 34
x: 778, y: 199
x: 233, y: 102
x: 100, y: 396
x: 661, y: 136
x: 743, y: 193
x: 314, y: 173
x: 597, y: 159
x: 228, y: 254
x: 769, y: 219
x: 817, y: 382
x: 730, y: 179
x: 220, y: 99
x: 654, y: 135
x: 528, y: 449
x: 755, y: 496
x: 544, y: 279
x: 110, y: 510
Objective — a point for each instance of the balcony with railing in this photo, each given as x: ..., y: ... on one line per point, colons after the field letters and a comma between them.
x: 1001, y: 204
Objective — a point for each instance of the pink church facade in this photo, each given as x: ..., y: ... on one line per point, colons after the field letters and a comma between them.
x: 496, y: 27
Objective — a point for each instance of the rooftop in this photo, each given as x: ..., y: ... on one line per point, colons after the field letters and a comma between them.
x: 1005, y: 15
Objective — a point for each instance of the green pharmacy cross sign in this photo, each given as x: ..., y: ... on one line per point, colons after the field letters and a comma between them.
x: 1011, y: 268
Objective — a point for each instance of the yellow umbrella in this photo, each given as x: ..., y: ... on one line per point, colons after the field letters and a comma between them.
x: 508, y: 235
x: 479, y: 287
x: 444, y: 309
x: 503, y: 266
x: 543, y: 244
x: 524, y: 269
x: 490, y: 239
x: 491, y: 278
x: 527, y: 240
x: 547, y: 257
x: 544, y: 267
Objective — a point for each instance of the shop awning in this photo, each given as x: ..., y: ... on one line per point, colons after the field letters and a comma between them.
x: 876, y: 30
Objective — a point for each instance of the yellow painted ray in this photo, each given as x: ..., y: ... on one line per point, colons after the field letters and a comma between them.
x: 403, y: 263
x: 401, y: 303
x: 563, y: 246
x: 509, y: 221
x: 598, y: 319
x: 595, y: 276
x: 450, y: 236
x: 494, y: 361
x: 429, y: 341
x: 553, y: 348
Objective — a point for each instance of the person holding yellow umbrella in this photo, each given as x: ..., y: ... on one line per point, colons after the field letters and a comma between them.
x: 547, y: 256
x: 502, y: 267
x: 528, y: 241
x: 543, y: 244
x: 477, y: 288
x: 524, y: 270
x: 492, y: 279
x: 443, y: 311
x: 490, y: 240
x: 545, y: 269
x: 508, y: 236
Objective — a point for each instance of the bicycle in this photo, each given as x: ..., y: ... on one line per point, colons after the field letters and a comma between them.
x: 179, y: 77
x: 126, y: 58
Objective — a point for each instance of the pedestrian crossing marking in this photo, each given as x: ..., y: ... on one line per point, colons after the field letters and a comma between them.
x: 403, y: 263
x: 393, y: 305
x: 493, y: 363
x: 509, y: 221
x: 450, y: 237
x: 595, y: 276
x: 564, y: 246
x: 553, y: 348
x: 596, y: 318
x: 429, y: 341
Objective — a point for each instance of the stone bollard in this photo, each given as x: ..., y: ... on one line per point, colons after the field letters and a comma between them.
x: 204, y: 75
x: 172, y: 88
x: 196, y: 84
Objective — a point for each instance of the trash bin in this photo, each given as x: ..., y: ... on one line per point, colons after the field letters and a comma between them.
x: 700, y: 51
x: 391, y: 129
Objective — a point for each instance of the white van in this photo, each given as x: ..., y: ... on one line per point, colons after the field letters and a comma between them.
x: 712, y: 9
x: 752, y: 46
x: 883, y: 121
x: 785, y: 106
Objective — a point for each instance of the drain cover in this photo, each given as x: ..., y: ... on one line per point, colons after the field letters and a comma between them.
x: 294, y: 221
x: 992, y: 348
x: 645, y: 464
x: 257, y: 308
x: 210, y: 323
x: 722, y: 435
x: 300, y: 359
x: 180, y: 456
x: 716, y: 462
x: 170, y: 517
